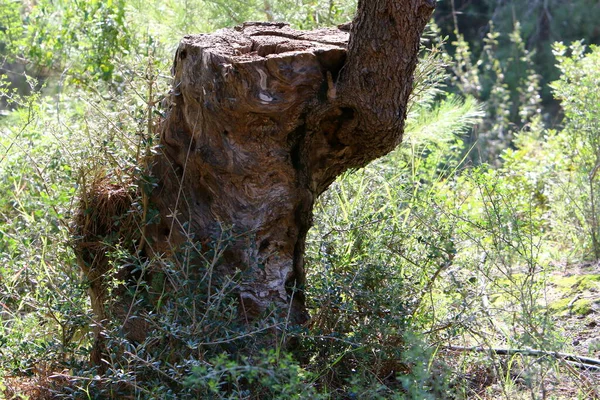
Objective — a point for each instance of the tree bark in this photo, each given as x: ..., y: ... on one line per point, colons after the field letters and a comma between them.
x: 262, y: 120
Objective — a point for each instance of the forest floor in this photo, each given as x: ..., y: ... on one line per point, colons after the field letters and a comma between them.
x: 573, y: 297
x: 574, y: 293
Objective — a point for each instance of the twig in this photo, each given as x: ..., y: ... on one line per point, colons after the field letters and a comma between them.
x: 571, y: 359
x: 233, y: 339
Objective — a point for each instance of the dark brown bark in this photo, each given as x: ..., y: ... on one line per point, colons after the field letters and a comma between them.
x: 262, y: 119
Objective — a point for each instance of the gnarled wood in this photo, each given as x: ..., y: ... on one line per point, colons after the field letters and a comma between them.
x: 262, y: 119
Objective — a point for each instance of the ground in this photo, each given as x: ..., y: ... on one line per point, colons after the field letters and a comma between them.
x: 573, y: 295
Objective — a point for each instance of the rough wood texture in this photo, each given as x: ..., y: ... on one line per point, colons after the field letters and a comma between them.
x: 262, y: 119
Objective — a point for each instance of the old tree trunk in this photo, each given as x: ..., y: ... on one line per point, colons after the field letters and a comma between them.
x: 262, y: 120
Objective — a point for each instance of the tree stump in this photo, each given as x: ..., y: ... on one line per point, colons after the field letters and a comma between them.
x: 262, y: 119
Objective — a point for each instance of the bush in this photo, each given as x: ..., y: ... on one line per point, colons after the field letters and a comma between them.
x: 578, y: 91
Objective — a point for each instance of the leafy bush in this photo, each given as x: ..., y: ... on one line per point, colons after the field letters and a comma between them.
x: 578, y: 91
x: 375, y: 253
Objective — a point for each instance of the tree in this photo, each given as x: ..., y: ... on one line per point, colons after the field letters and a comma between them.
x: 262, y: 119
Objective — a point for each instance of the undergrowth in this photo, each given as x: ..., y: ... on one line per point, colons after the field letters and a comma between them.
x: 410, y: 259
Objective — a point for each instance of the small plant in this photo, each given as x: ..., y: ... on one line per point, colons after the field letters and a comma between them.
x: 577, y: 91
x: 508, y: 86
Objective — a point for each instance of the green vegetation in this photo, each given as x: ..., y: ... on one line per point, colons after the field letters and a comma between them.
x: 426, y: 248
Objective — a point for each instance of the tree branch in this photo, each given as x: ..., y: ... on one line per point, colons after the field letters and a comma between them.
x: 572, y: 359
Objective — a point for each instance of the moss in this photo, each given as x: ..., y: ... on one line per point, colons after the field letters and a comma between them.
x: 576, y: 283
x: 582, y: 307
x: 579, y: 307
